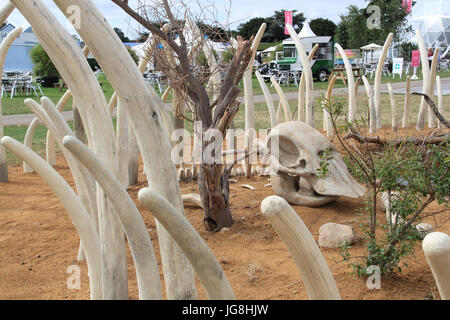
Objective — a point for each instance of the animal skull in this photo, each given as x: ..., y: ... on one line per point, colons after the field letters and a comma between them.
x: 295, y: 150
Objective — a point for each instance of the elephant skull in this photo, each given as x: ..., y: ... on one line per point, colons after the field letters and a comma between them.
x: 296, y: 151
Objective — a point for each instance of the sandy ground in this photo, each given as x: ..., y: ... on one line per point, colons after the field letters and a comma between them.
x: 38, y: 243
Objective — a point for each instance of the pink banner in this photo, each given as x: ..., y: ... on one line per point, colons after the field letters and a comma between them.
x: 408, y: 5
x: 287, y: 19
x: 415, y: 58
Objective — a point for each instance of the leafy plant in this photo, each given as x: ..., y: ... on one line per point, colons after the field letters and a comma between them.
x: 43, y: 66
x: 133, y: 55
x: 412, y: 174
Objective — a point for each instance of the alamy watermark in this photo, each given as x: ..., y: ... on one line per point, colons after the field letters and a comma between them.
x: 74, y: 16
x: 74, y: 279
x: 211, y: 147
x: 374, y: 21
x: 373, y: 281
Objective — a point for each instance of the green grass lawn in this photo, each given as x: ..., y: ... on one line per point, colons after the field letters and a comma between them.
x: 18, y: 133
x: 16, y: 106
x: 324, y: 85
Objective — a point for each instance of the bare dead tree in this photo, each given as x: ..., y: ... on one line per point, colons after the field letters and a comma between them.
x: 175, y: 51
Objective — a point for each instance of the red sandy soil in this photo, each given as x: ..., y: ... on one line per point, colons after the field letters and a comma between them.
x: 38, y: 243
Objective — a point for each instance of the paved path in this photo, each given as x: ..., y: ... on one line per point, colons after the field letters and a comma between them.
x: 398, y: 87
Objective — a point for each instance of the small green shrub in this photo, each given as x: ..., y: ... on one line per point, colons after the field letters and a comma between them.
x: 43, y: 66
x: 417, y: 172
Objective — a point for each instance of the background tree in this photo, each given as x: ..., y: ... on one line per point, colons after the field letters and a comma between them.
x: 323, y: 27
x: 177, y: 61
x: 394, y: 18
x: 249, y: 28
x: 214, y: 33
x: 121, y: 35
x: 142, y: 37
x: 405, y: 50
x: 43, y: 66
x: 352, y: 31
x: 275, y: 25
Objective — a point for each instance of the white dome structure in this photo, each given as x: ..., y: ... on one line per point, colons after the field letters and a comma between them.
x: 432, y: 18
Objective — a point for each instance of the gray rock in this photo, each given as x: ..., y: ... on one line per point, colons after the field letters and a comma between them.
x: 333, y: 235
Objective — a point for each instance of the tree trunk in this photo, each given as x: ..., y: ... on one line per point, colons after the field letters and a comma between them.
x: 215, y: 193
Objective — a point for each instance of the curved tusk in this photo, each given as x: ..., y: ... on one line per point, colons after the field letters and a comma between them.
x: 351, y: 83
x: 249, y: 100
x: 406, y: 111
x: 378, y: 74
x: 192, y: 198
x: 5, y: 11
x: 28, y: 142
x: 319, y: 281
x: 56, y: 124
x: 75, y: 209
x: 327, y: 121
x: 372, y: 111
x: 426, y: 79
x: 440, y: 100
x: 147, y: 272
x: 433, y: 71
x: 74, y: 69
x: 306, y: 68
x: 283, y: 99
x: 393, y: 108
x: 269, y: 100
x: 206, y: 267
x: 50, y: 139
x: 143, y: 107
x: 436, y: 247
x: 302, y: 87
x: 50, y: 153
x: 58, y: 127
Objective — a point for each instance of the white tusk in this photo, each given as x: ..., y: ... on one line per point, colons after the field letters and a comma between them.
x: 436, y: 247
x: 75, y: 209
x: 198, y: 253
x: 147, y: 272
x: 319, y: 281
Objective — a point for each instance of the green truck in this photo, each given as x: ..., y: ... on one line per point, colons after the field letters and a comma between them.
x: 323, y: 60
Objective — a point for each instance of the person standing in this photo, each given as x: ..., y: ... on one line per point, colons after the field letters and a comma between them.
x: 430, y: 56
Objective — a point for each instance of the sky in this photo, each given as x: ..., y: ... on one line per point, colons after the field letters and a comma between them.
x: 241, y: 11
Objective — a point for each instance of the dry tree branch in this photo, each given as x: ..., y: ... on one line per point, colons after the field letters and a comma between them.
x: 432, y: 106
x: 398, y: 142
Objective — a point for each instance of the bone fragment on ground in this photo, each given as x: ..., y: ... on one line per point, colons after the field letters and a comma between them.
x: 247, y: 186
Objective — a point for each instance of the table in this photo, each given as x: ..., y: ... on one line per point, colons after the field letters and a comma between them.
x: 285, y: 76
x: 341, y: 74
